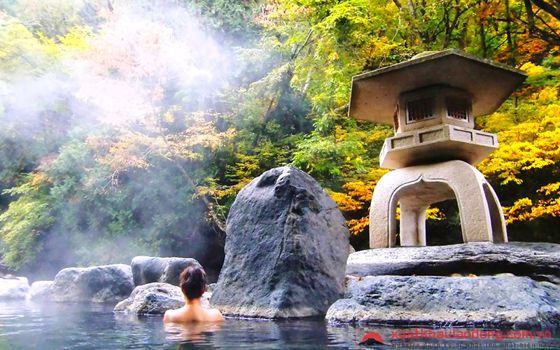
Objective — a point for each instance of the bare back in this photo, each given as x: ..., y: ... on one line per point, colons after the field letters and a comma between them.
x: 192, y: 313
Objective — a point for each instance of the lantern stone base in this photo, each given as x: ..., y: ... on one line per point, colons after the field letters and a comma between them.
x: 538, y: 260
x: 485, y: 301
x: 416, y: 187
x: 436, y: 144
x: 515, y: 284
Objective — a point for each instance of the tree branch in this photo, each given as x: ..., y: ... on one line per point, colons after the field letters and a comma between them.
x: 550, y: 9
x: 297, y: 51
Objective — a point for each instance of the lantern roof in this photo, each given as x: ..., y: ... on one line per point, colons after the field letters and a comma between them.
x: 375, y: 94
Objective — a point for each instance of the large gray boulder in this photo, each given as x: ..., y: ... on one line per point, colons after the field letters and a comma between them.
x: 12, y: 287
x: 154, y: 299
x: 449, y: 301
x: 286, y: 249
x: 540, y: 261
x: 100, y: 284
x: 146, y: 269
x: 40, y: 290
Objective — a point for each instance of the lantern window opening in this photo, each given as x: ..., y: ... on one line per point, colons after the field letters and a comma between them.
x: 457, y: 108
x: 419, y: 110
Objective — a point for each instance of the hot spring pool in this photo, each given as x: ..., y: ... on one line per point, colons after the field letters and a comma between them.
x: 29, y: 325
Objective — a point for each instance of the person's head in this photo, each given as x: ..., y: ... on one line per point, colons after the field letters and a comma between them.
x: 193, y: 282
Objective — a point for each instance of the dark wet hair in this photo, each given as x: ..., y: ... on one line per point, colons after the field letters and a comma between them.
x: 192, y: 282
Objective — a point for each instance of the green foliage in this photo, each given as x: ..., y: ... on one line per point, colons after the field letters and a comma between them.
x: 25, y: 221
x: 527, y: 163
x: 232, y: 19
x: 336, y: 154
x: 52, y: 18
x: 20, y: 50
x: 150, y: 170
x: 343, y: 38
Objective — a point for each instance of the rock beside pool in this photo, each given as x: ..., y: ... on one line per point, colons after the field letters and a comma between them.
x: 286, y: 249
x: 99, y: 284
x: 155, y: 299
x: 540, y: 261
x: 449, y: 301
x: 40, y: 290
x: 152, y: 298
x: 146, y: 269
x: 13, y: 288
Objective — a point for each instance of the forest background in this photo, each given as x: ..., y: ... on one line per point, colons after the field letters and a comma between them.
x: 127, y: 127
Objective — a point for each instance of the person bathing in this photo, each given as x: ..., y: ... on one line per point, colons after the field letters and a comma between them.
x: 193, y: 284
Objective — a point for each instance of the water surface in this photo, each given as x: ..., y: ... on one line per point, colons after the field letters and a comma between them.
x: 30, y: 325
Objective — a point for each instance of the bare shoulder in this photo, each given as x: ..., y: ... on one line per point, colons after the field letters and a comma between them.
x: 168, y: 316
x: 215, y: 315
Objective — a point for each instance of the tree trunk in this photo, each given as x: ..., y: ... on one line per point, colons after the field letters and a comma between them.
x: 530, y: 17
x: 482, y: 33
x: 510, y: 44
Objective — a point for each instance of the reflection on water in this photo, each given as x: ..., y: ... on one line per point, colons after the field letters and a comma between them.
x: 28, y: 325
x: 255, y: 334
x: 192, y: 333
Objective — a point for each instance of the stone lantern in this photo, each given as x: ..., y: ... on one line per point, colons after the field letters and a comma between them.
x: 432, y: 101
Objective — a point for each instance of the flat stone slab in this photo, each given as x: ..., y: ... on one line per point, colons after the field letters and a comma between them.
x: 487, y: 301
x: 540, y: 261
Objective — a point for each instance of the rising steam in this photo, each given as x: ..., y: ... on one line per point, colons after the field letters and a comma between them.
x: 116, y: 72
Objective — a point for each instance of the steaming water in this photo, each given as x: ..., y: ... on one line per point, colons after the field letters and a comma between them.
x: 28, y: 325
